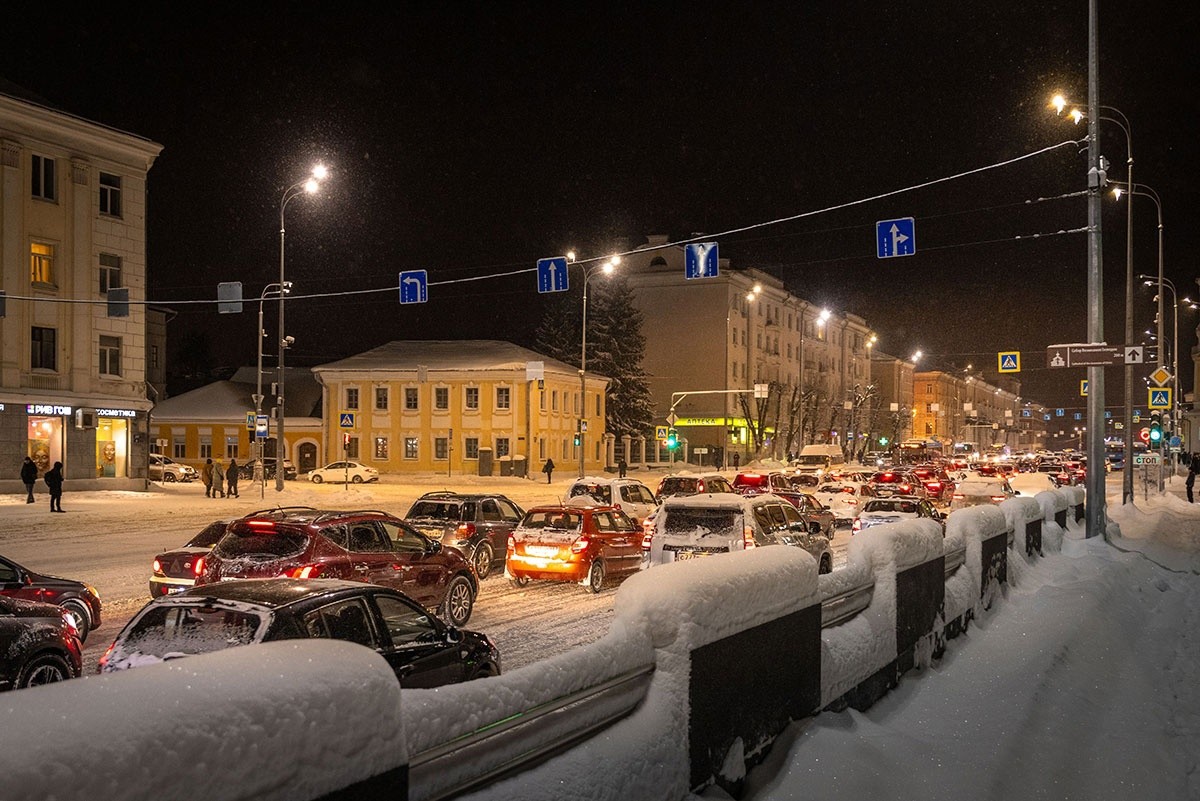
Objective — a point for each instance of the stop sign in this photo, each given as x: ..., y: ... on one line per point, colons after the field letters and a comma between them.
x: 1144, y: 435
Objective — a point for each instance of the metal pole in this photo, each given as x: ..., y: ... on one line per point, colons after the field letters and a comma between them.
x: 1162, y: 447
x: 281, y: 448
x: 582, y: 371
x: 1127, y: 472
x: 258, y: 399
x: 1096, y: 512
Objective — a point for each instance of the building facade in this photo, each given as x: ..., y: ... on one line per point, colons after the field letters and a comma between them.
x: 965, y: 412
x: 72, y: 228
x: 477, y: 407
x: 734, y: 332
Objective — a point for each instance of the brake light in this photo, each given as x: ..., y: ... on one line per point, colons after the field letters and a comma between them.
x: 104, y: 659
x: 261, y: 523
x: 997, y: 498
x: 580, y: 545
x: 199, y: 568
x: 308, y: 571
x: 647, y: 538
x: 851, y: 501
x: 748, y: 538
x: 857, y: 526
x: 466, y: 530
x: 958, y: 496
x: 157, y: 567
x: 935, y: 486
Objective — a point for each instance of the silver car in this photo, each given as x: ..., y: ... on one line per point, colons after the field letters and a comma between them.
x: 170, y: 471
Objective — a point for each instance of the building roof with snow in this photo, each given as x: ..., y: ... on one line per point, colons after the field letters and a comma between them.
x: 222, y: 401
x: 457, y: 356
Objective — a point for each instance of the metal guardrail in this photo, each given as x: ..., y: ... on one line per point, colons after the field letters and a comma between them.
x: 845, y: 605
x: 955, y: 560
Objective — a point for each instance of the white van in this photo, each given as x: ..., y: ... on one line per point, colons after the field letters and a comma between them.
x: 817, y: 460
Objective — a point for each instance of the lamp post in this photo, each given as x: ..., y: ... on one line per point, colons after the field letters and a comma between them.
x: 308, y: 186
x: 607, y: 268
x: 259, y: 477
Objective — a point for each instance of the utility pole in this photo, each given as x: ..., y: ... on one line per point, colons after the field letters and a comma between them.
x: 1096, y: 502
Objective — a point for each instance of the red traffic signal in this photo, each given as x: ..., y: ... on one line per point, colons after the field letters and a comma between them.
x: 1144, y: 435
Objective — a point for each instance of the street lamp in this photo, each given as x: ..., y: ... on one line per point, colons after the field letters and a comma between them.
x: 607, y: 268
x: 1121, y: 121
x: 309, y: 186
x: 270, y: 290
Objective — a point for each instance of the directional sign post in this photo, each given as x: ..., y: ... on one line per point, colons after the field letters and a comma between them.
x: 1134, y: 354
x: 1009, y: 361
x: 1084, y: 355
x: 414, y: 286
x: 700, y: 260
x: 895, y: 238
x: 552, y: 275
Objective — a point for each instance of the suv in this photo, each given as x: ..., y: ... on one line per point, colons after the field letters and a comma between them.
x: 478, y: 525
x: 81, y: 601
x: 371, y: 546
x: 939, y: 486
x: 703, y: 525
x: 627, y: 494
x: 692, y: 484
x: 887, y: 483
x: 585, y: 545
x: 170, y: 471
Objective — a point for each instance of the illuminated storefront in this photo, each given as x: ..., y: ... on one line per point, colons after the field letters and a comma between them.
x: 97, y: 446
x: 112, y: 442
x: 45, y: 435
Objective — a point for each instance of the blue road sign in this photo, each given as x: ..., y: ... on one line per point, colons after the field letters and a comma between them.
x: 1027, y: 412
x: 1078, y: 415
x: 260, y: 428
x: 700, y: 260
x: 1107, y: 414
x: 1059, y: 412
x: 895, y: 238
x: 1175, y: 442
x: 346, y: 420
x: 1160, y: 398
x: 414, y: 286
x: 552, y: 275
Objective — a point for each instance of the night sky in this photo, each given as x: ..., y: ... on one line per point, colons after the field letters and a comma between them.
x: 471, y: 139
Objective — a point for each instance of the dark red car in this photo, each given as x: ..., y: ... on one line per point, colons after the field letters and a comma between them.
x: 371, y: 546
x: 39, y: 644
x: 939, y: 486
x: 79, y: 599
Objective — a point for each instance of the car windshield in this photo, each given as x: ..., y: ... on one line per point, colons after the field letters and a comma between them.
x: 601, y: 492
x: 907, y: 507
x: 553, y: 519
x: 170, y: 631
x: 698, y: 521
x: 436, y: 510
x: 244, y: 539
x: 835, y: 488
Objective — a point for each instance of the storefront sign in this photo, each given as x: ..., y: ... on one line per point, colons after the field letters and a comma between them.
x: 729, y: 422
x: 46, y: 408
x: 116, y: 413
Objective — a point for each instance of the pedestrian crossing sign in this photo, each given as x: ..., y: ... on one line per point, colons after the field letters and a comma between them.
x: 1010, y: 361
x: 1160, y: 398
x: 1083, y: 387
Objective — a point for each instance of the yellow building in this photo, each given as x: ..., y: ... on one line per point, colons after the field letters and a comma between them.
x: 461, y: 407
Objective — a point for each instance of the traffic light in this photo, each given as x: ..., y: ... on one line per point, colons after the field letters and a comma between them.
x: 1156, y: 431
x: 672, y: 439
x: 576, y: 439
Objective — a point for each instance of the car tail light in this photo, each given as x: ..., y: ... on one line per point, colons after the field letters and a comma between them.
x: 647, y: 538
x: 580, y: 545
x: 307, y: 571
x: 958, y: 496
x: 997, y: 498
x: 198, y: 569
x: 748, y: 538
x: 157, y: 568
x: 69, y: 620
x: 934, y: 486
x: 857, y: 525
x: 851, y: 501
x: 261, y: 524
x: 104, y: 659
x: 466, y: 530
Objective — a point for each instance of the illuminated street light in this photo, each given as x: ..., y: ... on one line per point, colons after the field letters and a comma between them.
x: 607, y: 268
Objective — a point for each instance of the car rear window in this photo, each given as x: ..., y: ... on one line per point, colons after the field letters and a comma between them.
x: 908, y: 507
x: 243, y: 539
x: 700, y: 522
x: 565, y: 521
x: 601, y: 492
x: 168, y: 631
x: 209, y: 536
x: 436, y: 510
x: 678, y: 485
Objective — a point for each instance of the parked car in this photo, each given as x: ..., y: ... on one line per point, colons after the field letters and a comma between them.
x: 896, y: 482
x: 939, y: 486
x: 974, y: 492
x: 39, y: 644
x: 246, y: 469
x: 370, y: 546
x: 478, y: 524
x: 342, y: 472
x: 692, y: 484
x: 79, y: 599
x: 585, y: 544
x: 168, y: 470
x: 627, y: 494
x: 878, y: 511
x: 702, y: 525
x: 420, y: 649
x: 844, y: 498
x: 176, y: 570
x: 751, y: 482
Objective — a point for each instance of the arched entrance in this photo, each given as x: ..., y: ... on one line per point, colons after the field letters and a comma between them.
x: 306, y: 457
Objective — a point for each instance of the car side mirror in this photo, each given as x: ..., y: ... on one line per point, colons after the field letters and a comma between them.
x: 434, y: 547
x: 1016, y: 492
x: 814, y: 527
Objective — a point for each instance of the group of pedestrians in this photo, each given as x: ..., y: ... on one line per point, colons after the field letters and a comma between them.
x: 53, y: 479
x: 220, y: 481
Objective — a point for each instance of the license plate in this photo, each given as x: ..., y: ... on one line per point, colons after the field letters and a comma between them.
x: 544, y: 551
x: 690, y: 554
x: 173, y: 590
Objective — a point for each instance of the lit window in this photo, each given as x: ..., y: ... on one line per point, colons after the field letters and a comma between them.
x: 381, y: 449
x: 41, y: 263
x: 410, y: 447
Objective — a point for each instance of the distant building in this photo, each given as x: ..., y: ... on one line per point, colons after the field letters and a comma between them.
x: 73, y: 378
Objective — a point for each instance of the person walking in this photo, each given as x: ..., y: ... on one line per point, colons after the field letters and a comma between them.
x: 548, y: 468
x: 206, y: 475
x: 29, y: 477
x: 622, y: 467
x: 54, y: 480
x: 231, y: 476
x: 218, y: 480
x: 1193, y: 466
x: 737, y: 459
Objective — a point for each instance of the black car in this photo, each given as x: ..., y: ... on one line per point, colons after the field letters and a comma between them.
x: 421, y: 650
x: 246, y: 470
x: 478, y: 525
x: 176, y: 570
x: 39, y: 644
x: 79, y: 599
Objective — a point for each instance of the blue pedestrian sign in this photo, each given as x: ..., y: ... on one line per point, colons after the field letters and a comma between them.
x: 895, y: 238
x: 700, y: 260
x: 414, y: 286
x: 1078, y: 415
x: 1160, y: 398
x: 346, y: 420
x: 1059, y: 412
x: 1009, y: 361
x: 552, y: 275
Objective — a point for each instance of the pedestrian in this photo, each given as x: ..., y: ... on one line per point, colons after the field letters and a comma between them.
x: 54, y: 480
x: 231, y: 476
x: 218, y: 480
x: 622, y: 467
x: 206, y: 475
x: 29, y: 477
x: 548, y: 468
x: 737, y: 460
x: 1193, y: 466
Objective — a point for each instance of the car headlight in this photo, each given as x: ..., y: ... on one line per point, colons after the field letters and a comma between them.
x: 90, y: 590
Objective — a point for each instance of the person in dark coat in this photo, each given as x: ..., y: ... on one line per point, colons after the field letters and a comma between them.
x: 29, y: 477
x: 548, y: 468
x: 231, y: 476
x: 54, y: 480
x: 622, y: 467
x: 1193, y: 467
x: 737, y: 460
x: 206, y: 475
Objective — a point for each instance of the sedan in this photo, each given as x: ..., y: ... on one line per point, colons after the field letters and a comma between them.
x: 176, y: 570
x: 421, y: 650
x: 845, y: 499
x: 39, y: 644
x: 587, y: 545
x: 343, y: 472
x: 976, y: 492
x: 80, y: 600
x: 878, y: 511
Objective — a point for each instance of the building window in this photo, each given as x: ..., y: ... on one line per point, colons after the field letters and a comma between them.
x: 178, y: 448
x: 501, y: 447
x: 43, y: 350
x: 472, y: 397
x: 471, y: 451
x: 381, y: 399
x: 154, y: 357
x: 351, y: 397
x: 410, y: 447
x: 410, y: 399
x: 352, y: 448
x: 503, y: 398
x: 381, y: 449
x: 41, y: 263
x: 110, y: 194
x: 231, y: 447
x: 441, y: 449
x: 929, y: 389
x: 554, y: 400
x: 599, y: 406
x: 542, y: 396
x: 110, y: 272
x: 205, y: 448
x: 43, y: 186
x: 110, y: 355
x: 929, y: 408
x: 441, y: 398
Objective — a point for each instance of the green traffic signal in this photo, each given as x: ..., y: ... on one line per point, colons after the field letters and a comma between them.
x: 672, y: 440
x: 1156, y: 432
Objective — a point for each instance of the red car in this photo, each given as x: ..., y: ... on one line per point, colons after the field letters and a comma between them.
x: 939, y: 487
x: 584, y: 544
